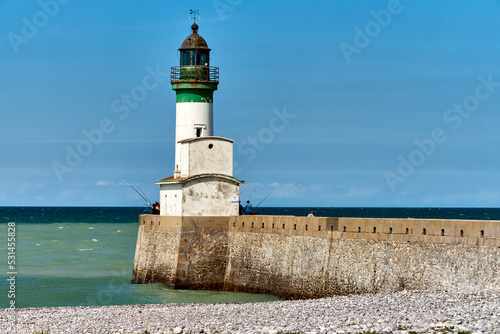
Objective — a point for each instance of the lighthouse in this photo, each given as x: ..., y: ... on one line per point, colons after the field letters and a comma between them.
x: 194, y: 82
x: 202, y: 183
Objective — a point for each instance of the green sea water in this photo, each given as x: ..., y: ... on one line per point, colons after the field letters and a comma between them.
x: 84, y: 263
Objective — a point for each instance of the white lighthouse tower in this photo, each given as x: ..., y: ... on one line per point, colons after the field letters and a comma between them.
x: 203, y: 182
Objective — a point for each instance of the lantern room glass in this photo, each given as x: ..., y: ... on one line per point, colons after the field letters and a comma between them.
x: 195, y: 58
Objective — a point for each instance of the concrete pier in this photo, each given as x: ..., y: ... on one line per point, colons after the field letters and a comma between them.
x: 300, y: 257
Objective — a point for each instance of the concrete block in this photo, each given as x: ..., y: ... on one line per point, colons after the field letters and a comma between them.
x: 367, y: 225
x: 369, y: 236
x: 349, y: 226
x: 322, y: 234
x: 314, y: 224
x: 348, y: 235
x: 431, y: 229
x: 297, y: 223
x: 448, y: 228
x: 473, y: 241
x: 182, y: 258
x: 383, y: 226
x: 480, y: 241
x: 329, y: 222
x: 495, y: 230
x: 397, y: 226
x: 469, y: 228
x: 350, y: 223
x: 335, y: 235
x: 221, y: 222
x: 486, y: 228
x: 312, y: 234
x: 434, y: 239
x: 383, y: 236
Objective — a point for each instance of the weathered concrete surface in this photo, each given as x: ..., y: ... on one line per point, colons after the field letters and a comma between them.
x: 199, y: 196
x: 156, y: 250
x: 299, y: 257
x: 206, y: 155
x: 312, y: 267
x: 203, y: 253
x: 210, y: 196
x: 182, y: 252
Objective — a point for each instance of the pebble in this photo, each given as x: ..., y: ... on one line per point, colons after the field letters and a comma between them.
x: 398, y: 312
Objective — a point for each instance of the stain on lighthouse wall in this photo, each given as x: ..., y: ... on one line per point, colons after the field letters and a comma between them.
x: 210, y: 196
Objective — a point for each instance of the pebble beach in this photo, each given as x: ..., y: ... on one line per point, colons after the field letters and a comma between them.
x: 397, y: 312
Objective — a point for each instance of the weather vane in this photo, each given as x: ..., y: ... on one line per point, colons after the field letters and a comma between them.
x: 194, y: 12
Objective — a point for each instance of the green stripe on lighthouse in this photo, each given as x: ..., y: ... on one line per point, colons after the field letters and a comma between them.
x: 194, y: 91
x: 206, y: 96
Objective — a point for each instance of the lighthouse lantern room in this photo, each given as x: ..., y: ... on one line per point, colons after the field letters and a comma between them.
x: 203, y: 182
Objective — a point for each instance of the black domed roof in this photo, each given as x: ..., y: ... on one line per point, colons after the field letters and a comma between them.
x: 194, y: 41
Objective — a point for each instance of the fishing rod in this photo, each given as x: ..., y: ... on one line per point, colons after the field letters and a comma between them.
x: 262, y: 201
x: 244, y: 190
x: 144, y: 197
x: 142, y: 192
x: 246, y: 199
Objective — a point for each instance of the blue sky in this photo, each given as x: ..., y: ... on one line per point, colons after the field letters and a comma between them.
x: 330, y: 103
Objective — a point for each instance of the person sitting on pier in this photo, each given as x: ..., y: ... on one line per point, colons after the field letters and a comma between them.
x: 248, y: 208
x: 155, y: 208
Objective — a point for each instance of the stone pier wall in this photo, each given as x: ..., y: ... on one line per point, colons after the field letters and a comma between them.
x: 182, y: 252
x: 299, y: 257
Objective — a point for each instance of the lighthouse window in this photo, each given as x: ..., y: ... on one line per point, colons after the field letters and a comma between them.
x: 194, y: 58
x: 210, y: 146
x: 199, y: 129
x: 203, y: 60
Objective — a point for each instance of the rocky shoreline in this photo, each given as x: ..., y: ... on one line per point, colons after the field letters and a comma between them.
x: 398, y: 312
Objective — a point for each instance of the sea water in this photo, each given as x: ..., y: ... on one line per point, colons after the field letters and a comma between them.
x: 84, y: 256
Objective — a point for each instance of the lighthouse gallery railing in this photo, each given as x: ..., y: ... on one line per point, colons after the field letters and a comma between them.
x: 194, y: 73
